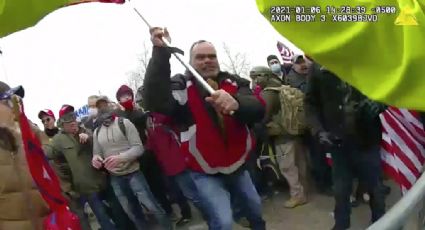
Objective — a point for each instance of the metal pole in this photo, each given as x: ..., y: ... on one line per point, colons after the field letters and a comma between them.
x: 179, y: 57
x: 396, y: 217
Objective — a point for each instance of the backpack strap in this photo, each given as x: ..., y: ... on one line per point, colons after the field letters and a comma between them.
x: 97, y: 131
x: 122, y: 126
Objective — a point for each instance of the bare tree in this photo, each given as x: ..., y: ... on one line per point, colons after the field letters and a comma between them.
x: 135, y: 78
x: 236, y: 63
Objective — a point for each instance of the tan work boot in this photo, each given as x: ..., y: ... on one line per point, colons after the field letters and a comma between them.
x: 295, y: 201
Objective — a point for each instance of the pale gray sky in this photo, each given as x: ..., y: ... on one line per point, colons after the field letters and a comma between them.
x: 80, y: 50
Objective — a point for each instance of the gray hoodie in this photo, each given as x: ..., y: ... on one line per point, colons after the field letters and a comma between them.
x: 111, y: 141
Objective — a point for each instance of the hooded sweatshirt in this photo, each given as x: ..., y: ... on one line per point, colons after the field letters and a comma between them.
x: 109, y: 141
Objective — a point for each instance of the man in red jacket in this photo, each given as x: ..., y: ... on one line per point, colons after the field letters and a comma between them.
x: 214, y: 134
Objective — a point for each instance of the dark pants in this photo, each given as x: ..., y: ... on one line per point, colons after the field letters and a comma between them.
x: 178, y: 196
x: 366, y: 164
x: 155, y: 179
x: 97, y: 206
x: 99, y: 209
x: 76, y: 207
x: 120, y: 218
x: 321, y: 171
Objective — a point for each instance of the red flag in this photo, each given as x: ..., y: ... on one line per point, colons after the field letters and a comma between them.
x: 39, y: 167
x: 403, y: 141
x: 285, y: 52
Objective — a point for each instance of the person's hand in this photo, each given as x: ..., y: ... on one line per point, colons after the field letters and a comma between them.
x: 113, y: 161
x: 97, y: 161
x: 223, y: 102
x: 157, y: 34
x: 83, y: 138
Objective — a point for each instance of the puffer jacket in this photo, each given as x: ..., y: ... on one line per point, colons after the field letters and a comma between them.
x: 15, y: 212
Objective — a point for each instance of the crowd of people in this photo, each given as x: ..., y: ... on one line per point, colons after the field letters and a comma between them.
x: 174, y: 142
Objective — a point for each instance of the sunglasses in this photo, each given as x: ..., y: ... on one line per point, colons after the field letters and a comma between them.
x: 47, y: 120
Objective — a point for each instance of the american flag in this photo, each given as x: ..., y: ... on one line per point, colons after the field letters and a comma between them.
x: 285, y: 52
x: 402, y: 146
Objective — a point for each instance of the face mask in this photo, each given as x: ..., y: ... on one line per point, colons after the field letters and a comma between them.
x: 105, y: 117
x: 92, y: 112
x: 128, y: 105
x: 276, y: 69
x: 107, y: 122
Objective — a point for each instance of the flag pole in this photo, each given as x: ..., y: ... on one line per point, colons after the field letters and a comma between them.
x: 179, y: 57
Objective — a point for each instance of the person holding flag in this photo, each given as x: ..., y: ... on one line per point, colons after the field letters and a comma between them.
x: 22, y: 206
x: 215, y: 138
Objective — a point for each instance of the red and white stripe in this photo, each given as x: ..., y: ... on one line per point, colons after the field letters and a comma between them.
x: 285, y: 52
x: 402, y: 146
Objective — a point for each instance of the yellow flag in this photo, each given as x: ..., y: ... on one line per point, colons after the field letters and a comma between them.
x: 19, y: 14
x: 16, y: 15
x: 383, y: 55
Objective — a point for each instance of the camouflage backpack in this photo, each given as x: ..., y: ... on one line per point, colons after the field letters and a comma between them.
x: 291, y: 118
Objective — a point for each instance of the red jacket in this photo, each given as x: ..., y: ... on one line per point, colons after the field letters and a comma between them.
x: 205, y: 147
x: 164, y: 142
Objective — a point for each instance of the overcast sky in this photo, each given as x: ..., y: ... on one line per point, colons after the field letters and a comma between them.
x: 85, y: 49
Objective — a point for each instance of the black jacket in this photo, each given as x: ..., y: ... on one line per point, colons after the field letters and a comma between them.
x: 159, y: 88
x: 334, y: 106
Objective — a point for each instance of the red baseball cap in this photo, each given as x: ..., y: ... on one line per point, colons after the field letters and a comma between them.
x: 66, y: 113
x: 46, y: 112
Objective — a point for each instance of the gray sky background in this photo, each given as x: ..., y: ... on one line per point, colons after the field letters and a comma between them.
x: 85, y: 49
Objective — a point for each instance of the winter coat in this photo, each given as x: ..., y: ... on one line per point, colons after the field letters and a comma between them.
x: 18, y: 206
x: 81, y: 176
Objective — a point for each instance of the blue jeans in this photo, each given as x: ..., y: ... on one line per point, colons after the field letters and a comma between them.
x: 136, y: 182
x: 215, y: 192
x: 99, y: 210
x: 188, y: 187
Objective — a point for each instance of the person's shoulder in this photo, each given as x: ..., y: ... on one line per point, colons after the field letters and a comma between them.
x: 178, y: 81
x: 59, y: 138
x: 126, y: 122
x: 240, y: 81
x: 119, y: 112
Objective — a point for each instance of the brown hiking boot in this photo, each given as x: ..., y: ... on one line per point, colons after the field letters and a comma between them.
x: 295, y: 201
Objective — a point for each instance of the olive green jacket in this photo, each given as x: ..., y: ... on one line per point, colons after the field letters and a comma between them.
x: 74, y: 164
